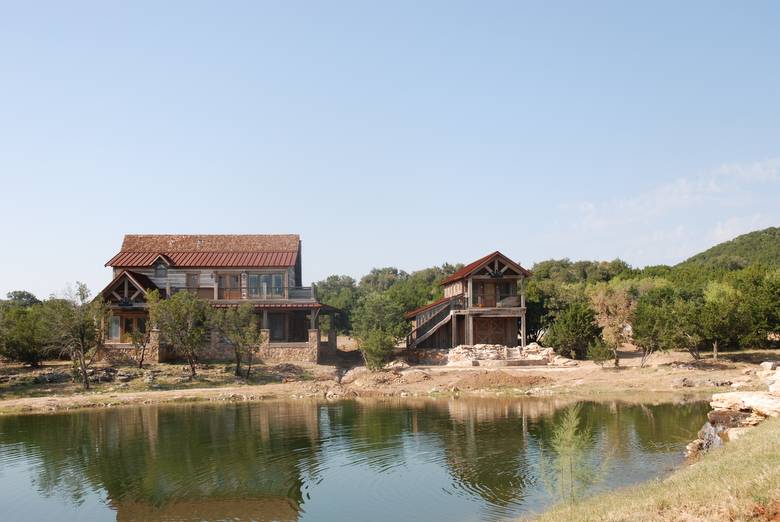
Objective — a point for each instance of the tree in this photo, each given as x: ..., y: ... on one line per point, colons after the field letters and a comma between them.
x: 570, y: 469
x: 22, y: 298
x: 381, y: 279
x: 183, y: 321
x: 77, y: 325
x: 378, y: 325
x: 141, y: 338
x: 665, y: 319
x: 23, y: 334
x: 240, y: 327
x: 339, y: 291
x: 573, y: 331
x: 720, y: 317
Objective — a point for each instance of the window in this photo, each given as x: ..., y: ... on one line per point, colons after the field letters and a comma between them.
x: 140, y: 324
x: 192, y: 280
x: 113, y: 328
x: 160, y: 271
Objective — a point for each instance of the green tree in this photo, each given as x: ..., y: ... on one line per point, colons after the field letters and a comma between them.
x: 720, y: 318
x: 141, y: 337
x: 22, y: 298
x: 183, y: 321
x: 339, y: 291
x: 573, y: 331
x: 568, y: 470
x: 240, y: 327
x: 24, y: 334
x: 665, y: 319
x: 381, y: 279
x: 378, y: 326
x: 77, y: 325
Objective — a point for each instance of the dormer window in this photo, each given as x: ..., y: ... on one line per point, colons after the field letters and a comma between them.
x: 160, y: 271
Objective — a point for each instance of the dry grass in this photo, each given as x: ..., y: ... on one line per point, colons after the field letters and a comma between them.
x: 739, y: 482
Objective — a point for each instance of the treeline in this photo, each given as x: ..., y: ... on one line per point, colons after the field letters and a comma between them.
x: 590, y: 307
x: 75, y: 327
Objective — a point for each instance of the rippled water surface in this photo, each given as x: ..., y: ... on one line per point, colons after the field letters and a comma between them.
x: 452, y: 460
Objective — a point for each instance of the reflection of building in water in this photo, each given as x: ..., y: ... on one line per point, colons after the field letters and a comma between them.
x: 260, y: 510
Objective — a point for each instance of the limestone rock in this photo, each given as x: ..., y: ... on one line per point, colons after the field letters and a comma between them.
x: 353, y: 374
x: 397, y: 365
x: 762, y: 403
x: 683, y: 382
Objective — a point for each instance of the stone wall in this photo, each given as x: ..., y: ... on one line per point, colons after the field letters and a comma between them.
x: 430, y: 356
x: 291, y: 352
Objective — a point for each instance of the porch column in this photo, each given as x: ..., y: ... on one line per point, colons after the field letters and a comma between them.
x: 216, y: 285
x: 522, y: 329
x: 522, y: 312
x: 265, y: 319
x: 470, y: 330
x: 454, y: 321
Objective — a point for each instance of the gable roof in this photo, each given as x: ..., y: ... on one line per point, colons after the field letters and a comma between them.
x: 479, y: 263
x: 208, y: 251
x: 139, y: 280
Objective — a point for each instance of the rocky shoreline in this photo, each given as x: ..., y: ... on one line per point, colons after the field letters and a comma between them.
x: 735, y: 413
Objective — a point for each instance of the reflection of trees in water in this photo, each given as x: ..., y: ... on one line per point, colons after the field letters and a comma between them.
x: 158, y: 455
x: 175, y: 459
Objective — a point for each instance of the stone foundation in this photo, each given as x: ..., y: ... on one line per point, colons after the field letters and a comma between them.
x: 428, y: 356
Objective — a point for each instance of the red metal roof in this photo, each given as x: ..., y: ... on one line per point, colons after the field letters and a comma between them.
x: 283, y: 306
x: 206, y: 259
x: 413, y: 313
x: 472, y: 267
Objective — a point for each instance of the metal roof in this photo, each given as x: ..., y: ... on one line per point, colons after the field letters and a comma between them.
x: 206, y: 259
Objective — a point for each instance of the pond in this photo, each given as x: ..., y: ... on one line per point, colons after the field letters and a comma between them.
x: 446, y: 459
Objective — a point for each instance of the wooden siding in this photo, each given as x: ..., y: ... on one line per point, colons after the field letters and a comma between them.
x: 453, y: 289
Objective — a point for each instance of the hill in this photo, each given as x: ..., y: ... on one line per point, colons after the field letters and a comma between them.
x: 760, y: 246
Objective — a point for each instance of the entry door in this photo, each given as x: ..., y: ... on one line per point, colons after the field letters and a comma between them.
x: 276, y: 326
x: 490, y: 294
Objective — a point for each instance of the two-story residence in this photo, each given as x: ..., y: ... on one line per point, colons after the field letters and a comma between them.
x: 227, y: 270
x: 483, y: 303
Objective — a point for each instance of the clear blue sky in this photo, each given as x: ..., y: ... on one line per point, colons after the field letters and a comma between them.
x: 385, y: 133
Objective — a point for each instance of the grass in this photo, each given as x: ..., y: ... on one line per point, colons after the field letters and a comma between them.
x: 741, y: 481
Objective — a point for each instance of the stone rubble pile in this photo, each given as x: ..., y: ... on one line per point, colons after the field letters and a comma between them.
x: 498, y: 352
x: 734, y: 413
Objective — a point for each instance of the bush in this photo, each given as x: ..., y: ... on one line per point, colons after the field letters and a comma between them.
x: 24, y: 335
x: 573, y: 331
x: 599, y: 352
x: 377, y: 346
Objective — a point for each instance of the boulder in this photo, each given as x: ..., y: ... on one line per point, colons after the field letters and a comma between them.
x: 354, y: 374
x: 769, y: 365
x: 397, y: 365
x: 683, y: 382
x: 762, y: 403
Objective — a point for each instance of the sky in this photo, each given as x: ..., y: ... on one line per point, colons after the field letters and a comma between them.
x: 398, y: 133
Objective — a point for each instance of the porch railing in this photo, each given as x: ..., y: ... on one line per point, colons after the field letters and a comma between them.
x: 295, y: 293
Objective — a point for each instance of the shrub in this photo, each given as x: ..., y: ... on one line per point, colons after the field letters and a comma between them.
x: 377, y: 346
x: 573, y: 331
x: 24, y: 335
x: 599, y: 352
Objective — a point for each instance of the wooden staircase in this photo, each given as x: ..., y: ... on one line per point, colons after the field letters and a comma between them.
x: 441, y: 316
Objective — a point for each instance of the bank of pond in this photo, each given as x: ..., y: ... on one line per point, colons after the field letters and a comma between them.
x: 445, y: 459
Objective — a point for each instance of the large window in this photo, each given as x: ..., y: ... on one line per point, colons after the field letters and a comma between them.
x: 113, y: 328
x: 263, y: 285
x: 160, y: 270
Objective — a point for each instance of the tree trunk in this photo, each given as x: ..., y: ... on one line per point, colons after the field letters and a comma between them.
x: 249, y: 365
x: 617, y: 357
x: 715, y: 349
x: 191, y: 360
x: 141, y: 358
x: 83, y: 368
x: 238, y: 362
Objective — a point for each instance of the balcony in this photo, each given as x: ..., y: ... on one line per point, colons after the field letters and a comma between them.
x: 277, y: 293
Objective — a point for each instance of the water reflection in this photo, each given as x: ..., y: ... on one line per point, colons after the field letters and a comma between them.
x: 416, y: 459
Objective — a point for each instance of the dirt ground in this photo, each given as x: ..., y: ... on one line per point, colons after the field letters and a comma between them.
x: 667, y: 376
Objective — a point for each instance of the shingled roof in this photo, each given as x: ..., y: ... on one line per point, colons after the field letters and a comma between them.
x: 208, y: 251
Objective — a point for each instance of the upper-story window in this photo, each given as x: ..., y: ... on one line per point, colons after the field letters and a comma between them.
x: 160, y: 271
x: 192, y: 281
